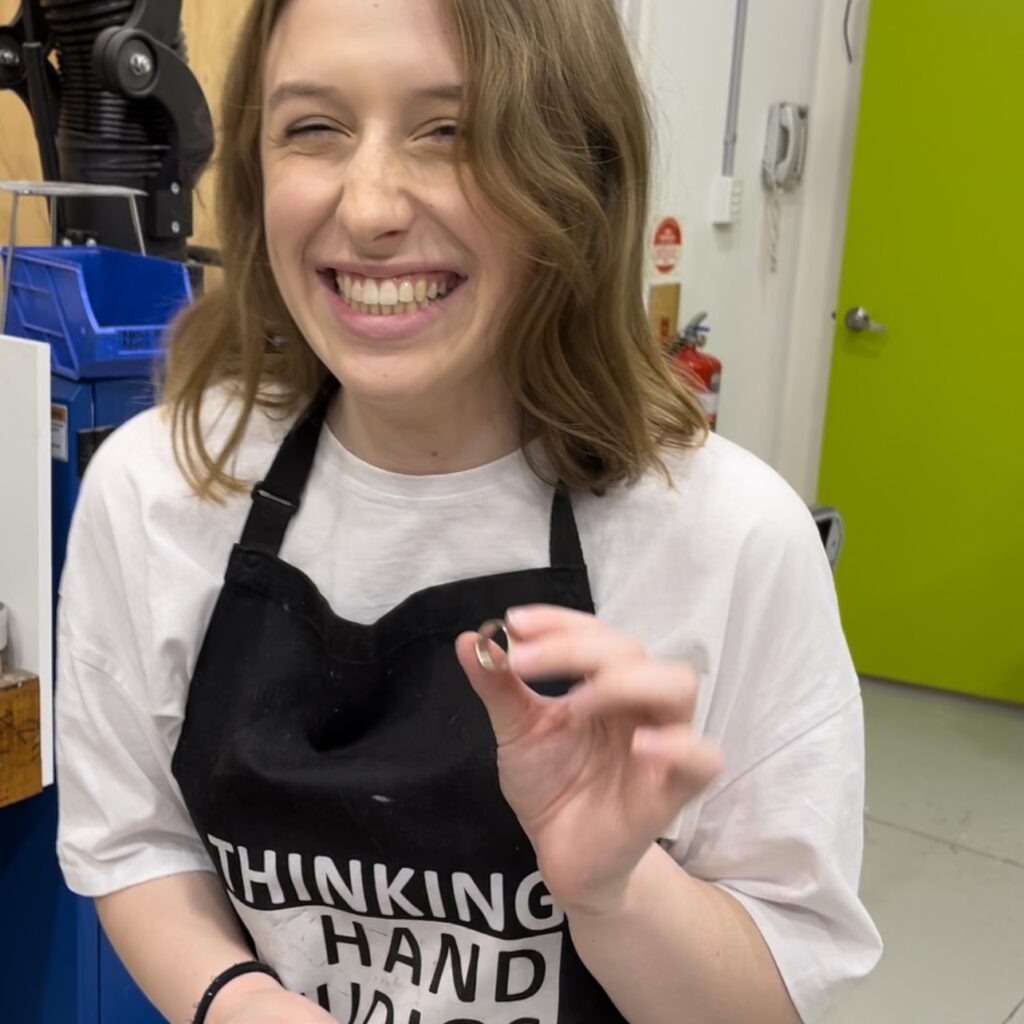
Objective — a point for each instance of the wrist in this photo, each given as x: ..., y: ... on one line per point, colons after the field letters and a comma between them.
x: 616, y: 897
x: 235, y: 992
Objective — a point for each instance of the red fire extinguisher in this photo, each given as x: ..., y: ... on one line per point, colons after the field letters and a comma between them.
x: 703, y: 372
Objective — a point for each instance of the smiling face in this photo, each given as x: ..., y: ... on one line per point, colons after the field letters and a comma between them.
x: 395, y: 276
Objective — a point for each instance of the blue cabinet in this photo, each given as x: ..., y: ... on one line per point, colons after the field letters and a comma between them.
x: 102, y: 313
x: 55, y: 963
x: 39, y: 962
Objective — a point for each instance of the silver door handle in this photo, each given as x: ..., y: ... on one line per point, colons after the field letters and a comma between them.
x: 858, y: 319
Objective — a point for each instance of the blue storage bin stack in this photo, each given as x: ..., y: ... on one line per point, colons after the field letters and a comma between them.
x: 103, y: 312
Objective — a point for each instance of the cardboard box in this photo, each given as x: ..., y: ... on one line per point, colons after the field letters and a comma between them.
x: 21, y: 773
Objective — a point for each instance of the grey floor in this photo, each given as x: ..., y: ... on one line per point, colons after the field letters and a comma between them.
x: 943, y: 860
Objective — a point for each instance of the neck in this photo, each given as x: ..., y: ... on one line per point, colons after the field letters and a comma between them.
x: 421, y: 442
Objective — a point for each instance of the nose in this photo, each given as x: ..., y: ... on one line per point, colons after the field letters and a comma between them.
x: 375, y: 205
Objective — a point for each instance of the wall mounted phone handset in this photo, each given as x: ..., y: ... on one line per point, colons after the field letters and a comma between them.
x: 785, y: 146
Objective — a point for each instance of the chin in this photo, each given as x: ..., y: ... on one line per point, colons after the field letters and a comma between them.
x: 382, y: 385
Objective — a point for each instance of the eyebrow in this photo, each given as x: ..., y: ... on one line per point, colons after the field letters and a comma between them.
x: 304, y: 89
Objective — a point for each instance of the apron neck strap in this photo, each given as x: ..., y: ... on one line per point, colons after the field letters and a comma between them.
x: 566, y: 550
x: 276, y: 498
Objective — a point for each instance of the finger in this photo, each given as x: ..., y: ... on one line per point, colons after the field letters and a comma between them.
x: 530, y: 621
x: 510, y: 703
x: 573, y: 652
x: 690, y: 762
x: 661, y: 692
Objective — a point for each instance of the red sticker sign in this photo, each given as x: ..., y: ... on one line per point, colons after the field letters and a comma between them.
x: 668, y: 243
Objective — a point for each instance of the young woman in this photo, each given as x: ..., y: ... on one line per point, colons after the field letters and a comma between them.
x: 425, y: 399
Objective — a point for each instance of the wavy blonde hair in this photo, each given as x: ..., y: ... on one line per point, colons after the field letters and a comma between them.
x: 558, y: 141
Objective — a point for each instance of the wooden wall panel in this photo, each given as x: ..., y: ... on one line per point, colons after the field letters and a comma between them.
x: 19, y: 157
x: 210, y: 27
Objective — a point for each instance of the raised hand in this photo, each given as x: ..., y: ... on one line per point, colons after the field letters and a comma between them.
x: 595, y: 776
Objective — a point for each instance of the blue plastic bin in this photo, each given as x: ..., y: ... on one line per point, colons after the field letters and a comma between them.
x: 103, y: 312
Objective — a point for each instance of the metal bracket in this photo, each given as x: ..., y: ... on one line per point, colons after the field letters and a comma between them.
x: 54, y: 190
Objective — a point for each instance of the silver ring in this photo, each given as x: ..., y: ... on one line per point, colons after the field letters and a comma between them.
x: 485, y: 635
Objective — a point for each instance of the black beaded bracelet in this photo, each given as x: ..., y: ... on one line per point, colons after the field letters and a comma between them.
x: 249, y: 967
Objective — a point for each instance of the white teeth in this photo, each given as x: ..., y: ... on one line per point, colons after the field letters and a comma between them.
x: 393, y: 297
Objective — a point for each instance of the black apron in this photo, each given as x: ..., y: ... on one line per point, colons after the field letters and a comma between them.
x: 343, y: 778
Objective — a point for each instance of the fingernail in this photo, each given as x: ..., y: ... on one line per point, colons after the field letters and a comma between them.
x: 648, y: 742
x: 515, y: 616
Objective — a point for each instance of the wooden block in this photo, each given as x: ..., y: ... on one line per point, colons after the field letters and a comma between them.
x: 21, y: 773
x: 665, y: 300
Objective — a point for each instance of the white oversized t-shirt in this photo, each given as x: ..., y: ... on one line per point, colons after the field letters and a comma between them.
x: 724, y: 568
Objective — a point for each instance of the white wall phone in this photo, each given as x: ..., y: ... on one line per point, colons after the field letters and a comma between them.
x: 785, y: 146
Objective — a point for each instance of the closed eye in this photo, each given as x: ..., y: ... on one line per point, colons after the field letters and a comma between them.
x: 313, y: 128
x: 444, y: 132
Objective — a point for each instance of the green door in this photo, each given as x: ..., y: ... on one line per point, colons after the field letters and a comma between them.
x: 924, y: 438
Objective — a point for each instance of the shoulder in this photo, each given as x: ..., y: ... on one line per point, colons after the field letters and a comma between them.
x: 134, y: 490
x: 138, y: 459
x: 719, y: 497
x: 140, y: 538
x: 729, y: 486
x: 710, y: 559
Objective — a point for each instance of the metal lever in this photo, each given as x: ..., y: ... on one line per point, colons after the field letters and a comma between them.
x: 858, y: 319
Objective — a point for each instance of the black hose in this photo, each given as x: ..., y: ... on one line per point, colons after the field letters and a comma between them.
x: 104, y: 138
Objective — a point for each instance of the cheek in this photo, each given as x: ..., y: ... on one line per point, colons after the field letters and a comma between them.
x: 504, y: 270
x: 293, y: 207
x: 282, y: 214
x: 496, y: 244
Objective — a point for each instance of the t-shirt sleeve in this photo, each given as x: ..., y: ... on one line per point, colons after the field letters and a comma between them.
x: 789, y: 851
x: 782, y: 829
x: 122, y: 820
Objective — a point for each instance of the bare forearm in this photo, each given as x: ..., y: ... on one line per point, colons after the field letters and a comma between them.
x: 676, y: 950
x: 175, y: 935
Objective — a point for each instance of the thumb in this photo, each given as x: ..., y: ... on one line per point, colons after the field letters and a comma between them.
x: 510, y: 703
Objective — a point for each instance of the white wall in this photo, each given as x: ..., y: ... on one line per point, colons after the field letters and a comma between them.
x: 773, y: 332
x: 25, y: 562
